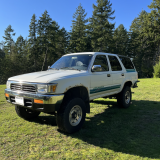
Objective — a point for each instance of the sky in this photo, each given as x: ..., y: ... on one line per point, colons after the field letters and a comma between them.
x: 18, y: 13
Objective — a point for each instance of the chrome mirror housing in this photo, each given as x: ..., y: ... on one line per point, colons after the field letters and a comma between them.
x: 96, y: 68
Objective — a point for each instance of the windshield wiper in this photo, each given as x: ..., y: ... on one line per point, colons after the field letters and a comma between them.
x: 70, y: 68
x: 54, y: 68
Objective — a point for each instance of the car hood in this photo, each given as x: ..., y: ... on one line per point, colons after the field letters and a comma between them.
x: 47, y: 76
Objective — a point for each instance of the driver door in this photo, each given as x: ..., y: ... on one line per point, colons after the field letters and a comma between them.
x: 101, y: 81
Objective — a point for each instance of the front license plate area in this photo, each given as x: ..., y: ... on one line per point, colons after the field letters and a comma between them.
x: 19, y: 100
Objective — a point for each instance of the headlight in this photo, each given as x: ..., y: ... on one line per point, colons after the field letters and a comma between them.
x: 8, y: 84
x: 42, y: 88
x: 49, y: 88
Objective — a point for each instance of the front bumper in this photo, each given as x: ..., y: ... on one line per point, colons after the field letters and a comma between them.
x: 51, y: 103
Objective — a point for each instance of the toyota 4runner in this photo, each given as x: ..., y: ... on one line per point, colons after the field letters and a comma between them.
x: 68, y: 86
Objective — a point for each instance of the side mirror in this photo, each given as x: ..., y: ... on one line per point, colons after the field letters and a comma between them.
x: 96, y: 68
x: 49, y: 67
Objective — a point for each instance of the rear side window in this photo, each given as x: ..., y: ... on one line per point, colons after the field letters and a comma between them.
x: 115, y: 65
x: 127, y: 62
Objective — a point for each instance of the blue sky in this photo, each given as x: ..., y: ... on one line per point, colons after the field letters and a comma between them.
x: 18, y: 13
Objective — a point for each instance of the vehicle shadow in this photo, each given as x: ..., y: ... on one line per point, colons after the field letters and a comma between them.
x: 48, y: 119
x: 132, y: 131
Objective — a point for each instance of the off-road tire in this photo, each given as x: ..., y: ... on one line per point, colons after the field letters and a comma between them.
x: 63, y: 116
x: 25, y: 113
x: 124, y: 97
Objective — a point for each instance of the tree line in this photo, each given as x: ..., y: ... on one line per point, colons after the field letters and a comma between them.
x: 47, y: 42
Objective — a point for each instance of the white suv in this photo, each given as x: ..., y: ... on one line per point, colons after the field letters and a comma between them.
x: 68, y: 86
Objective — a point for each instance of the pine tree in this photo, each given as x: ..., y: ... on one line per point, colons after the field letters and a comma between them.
x: 101, y: 28
x: 9, y: 42
x: 63, y: 41
x: 2, y: 54
x: 33, y: 40
x: 2, y: 57
x: 20, y: 44
x: 153, y: 29
x: 54, y: 40
x: 44, y: 29
x: 141, y: 45
x: 121, y: 40
x: 78, y: 34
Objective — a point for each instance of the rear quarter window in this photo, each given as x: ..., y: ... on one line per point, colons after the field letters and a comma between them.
x: 127, y: 62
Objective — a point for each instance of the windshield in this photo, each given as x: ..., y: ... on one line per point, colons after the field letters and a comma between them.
x: 73, y: 62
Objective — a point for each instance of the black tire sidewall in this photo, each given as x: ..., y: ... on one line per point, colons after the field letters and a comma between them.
x: 68, y: 127
x: 22, y: 112
x: 121, y: 98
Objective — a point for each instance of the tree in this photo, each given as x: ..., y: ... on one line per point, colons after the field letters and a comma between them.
x: 153, y: 29
x: 78, y: 34
x: 20, y: 44
x: 101, y: 28
x: 44, y: 29
x: 2, y: 57
x: 121, y: 40
x: 55, y: 36
x: 8, y: 39
x: 62, y: 42
x: 33, y: 40
x: 142, y: 45
x: 2, y: 53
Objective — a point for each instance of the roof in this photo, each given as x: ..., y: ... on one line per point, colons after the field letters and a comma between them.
x: 93, y: 53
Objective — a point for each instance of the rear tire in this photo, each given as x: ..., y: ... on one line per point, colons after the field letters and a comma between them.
x: 72, y: 117
x: 25, y: 113
x: 124, y: 97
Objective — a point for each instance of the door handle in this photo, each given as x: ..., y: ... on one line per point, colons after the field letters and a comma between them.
x: 108, y: 75
x: 122, y: 74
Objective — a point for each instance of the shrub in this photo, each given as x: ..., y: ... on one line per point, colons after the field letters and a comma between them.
x: 156, y: 68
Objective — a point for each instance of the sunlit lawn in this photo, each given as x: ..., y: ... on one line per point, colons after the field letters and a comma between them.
x: 108, y: 133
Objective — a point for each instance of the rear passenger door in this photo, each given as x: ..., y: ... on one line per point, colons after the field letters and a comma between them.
x: 117, y: 72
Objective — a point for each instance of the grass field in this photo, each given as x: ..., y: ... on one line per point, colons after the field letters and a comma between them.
x: 108, y: 133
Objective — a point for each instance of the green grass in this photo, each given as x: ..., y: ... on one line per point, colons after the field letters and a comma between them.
x: 108, y: 133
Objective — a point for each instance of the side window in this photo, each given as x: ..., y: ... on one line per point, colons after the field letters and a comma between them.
x: 127, y: 62
x: 115, y: 65
x: 101, y: 60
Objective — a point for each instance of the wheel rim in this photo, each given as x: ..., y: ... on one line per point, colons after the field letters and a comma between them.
x: 127, y: 97
x: 75, y: 115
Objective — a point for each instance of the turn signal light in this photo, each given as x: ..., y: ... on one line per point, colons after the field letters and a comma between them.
x: 7, y: 95
x: 38, y: 101
x: 54, y: 88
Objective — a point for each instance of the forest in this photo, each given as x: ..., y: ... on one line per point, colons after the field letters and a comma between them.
x: 47, y: 42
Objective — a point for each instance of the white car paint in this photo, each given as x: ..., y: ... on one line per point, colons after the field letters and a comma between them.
x: 94, y: 82
x: 48, y: 76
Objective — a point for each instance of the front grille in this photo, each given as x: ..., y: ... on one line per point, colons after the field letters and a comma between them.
x: 16, y: 87
x: 23, y: 87
x: 27, y: 88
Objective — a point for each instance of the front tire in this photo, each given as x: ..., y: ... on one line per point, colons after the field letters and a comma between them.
x: 72, y: 117
x: 124, y: 97
x: 25, y: 113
